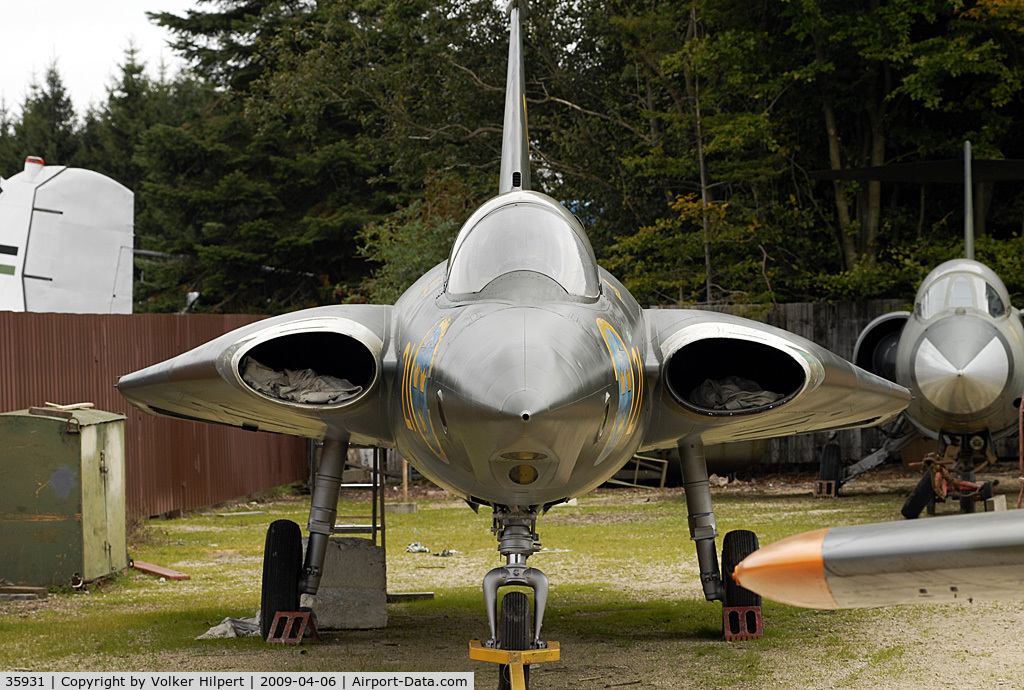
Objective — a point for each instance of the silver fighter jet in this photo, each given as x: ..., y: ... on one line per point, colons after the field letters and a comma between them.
x: 517, y: 374
x: 961, y: 351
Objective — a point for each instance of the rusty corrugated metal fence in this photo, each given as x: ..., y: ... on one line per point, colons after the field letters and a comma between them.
x: 171, y: 464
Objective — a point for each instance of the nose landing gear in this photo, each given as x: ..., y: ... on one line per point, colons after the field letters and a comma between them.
x: 514, y: 643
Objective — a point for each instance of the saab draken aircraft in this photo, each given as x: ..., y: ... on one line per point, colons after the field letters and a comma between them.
x: 517, y: 374
x: 960, y: 352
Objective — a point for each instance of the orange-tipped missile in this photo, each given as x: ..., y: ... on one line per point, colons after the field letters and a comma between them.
x: 944, y: 559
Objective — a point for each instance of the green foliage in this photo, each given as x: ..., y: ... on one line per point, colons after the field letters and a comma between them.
x: 10, y: 154
x: 264, y: 221
x: 417, y: 236
x: 665, y: 262
x: 47, y: 126
x: 1006, y: 258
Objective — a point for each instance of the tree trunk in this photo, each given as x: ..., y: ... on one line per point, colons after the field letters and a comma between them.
x: 873, y: 208
x: 843, y: 237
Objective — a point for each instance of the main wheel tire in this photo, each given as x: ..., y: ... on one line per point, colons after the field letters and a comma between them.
x: 922, y: 494
x: 514, y: 632
x: 737, y: 545
x: 967, y: 503
x: 282, y: 566
x: 831, y: 466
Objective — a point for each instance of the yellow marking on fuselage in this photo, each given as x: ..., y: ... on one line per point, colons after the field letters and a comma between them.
x: 628, y: 379
x: 414, y: 387
x: 406, y: 365
x: 426, y: 288
x: 634, y: 413
x: 615, y: 289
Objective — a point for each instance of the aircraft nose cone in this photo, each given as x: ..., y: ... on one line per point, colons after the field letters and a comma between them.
x: 518, y: 363
x: 524, y: 382
x: 524, y: 403
x: 962, y: 365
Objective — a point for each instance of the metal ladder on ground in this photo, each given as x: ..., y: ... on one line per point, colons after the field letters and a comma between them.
x: 377, y: 524
x: 641, y: 467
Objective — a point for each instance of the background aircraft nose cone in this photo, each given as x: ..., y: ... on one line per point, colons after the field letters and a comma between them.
x: 961, y: 365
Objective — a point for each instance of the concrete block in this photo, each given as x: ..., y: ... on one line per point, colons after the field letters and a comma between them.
x: 348, y: 608
x: 400, y: 508
x: 355, y: 476
x: 352, y: 562
x: 353, y: 588
x: 995, y: 503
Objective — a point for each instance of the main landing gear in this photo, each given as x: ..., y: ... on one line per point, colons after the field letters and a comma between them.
x: 741, y: 608
x: 938, y: 483
x: 285, y: 576
x: 951, y: 472
x: 514, y: 641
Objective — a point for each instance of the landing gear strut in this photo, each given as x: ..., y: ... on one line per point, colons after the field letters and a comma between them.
x: 703, y: 529
x: 517, y: 539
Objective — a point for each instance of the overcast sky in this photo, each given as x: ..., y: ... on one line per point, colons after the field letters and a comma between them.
x: 87, y: 38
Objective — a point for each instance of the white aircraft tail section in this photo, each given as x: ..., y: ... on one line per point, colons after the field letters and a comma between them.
x: 66, y: 239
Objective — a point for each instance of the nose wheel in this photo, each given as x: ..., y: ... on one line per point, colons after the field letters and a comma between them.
x: 514, y: 633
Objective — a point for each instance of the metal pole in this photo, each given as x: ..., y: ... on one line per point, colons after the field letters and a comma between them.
x: 405, y: 480
x: 374, y: 484
x: 382, y: 455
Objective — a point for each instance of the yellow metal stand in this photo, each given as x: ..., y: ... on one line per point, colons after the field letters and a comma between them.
x: 515, y: 659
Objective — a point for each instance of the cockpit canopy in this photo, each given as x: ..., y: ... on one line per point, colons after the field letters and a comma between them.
x: 522, y: 231
x: 962, y: 284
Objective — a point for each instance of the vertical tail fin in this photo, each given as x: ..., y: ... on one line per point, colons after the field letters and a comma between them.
x: 968, y: 204
x: 515, y: 147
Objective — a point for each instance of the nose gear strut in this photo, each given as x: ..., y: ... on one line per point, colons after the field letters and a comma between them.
x: 517, y: 539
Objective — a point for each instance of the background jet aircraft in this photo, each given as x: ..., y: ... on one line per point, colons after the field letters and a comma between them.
x: 516, y: 374
x: 961, y: 351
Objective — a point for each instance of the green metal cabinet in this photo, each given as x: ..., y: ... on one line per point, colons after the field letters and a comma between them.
x: 62, y: 495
